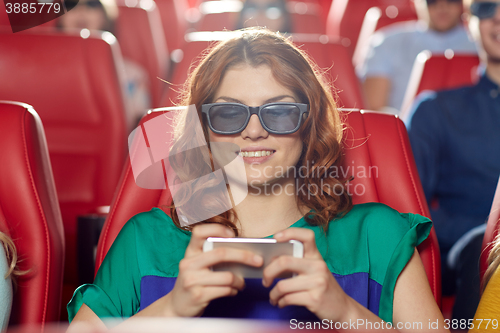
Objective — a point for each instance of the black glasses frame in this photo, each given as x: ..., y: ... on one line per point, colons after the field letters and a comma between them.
x: 487, y: 11
x: 303, y: 108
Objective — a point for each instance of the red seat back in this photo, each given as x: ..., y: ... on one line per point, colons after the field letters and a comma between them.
x: 30, y: 215
x: 328, y: 54
x: 174, y: 23
x: 374, y: 141
x: 74, y: 85
x: 438, y: 72
x: 346, y: 17
x: 492, y: 230
x: 139, y: 31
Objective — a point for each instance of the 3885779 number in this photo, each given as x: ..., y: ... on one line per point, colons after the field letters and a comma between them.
x: 463, y: 324
x: 32, y: 8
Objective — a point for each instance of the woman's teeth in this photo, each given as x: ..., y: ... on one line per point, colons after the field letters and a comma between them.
x: 258, y: 153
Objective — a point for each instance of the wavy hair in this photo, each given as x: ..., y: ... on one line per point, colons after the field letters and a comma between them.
x: 321, y: 131
x: 11, y: 255
x: 493, y: 262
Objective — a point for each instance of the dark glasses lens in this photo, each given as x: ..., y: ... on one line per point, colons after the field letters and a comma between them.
x: 228, y: 118
x: 484, y: 10
x: 281, y: 118
x: 276, y: 118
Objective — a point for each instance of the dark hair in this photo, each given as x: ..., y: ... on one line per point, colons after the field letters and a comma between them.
x: 321, y: 132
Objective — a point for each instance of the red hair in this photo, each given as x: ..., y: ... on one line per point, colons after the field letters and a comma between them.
x: 321, y: 132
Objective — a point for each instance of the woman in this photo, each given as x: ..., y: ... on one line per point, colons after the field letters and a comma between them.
x: 366, y: 247
x: 102, y: 15
x: 9, y: 271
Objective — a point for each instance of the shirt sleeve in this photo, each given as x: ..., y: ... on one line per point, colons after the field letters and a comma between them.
x: 392, y: 240
x: 116, y: 288
x: 379, y: 57
x: 425, y: 133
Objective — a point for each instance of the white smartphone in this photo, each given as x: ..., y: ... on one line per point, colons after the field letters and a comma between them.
x: 268, y: 248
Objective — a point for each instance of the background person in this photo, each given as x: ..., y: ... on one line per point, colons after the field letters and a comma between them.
x: 455, y: 140
x: 393, y: 50
x: 359, y: 261
x: 272, y: 14
x: 101, y: 15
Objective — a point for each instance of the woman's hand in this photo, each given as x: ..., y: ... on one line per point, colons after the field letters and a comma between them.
x: 314, y: 285
x: 196, y: 284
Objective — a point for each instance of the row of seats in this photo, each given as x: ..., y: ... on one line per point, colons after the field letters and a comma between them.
x: 30, y: 213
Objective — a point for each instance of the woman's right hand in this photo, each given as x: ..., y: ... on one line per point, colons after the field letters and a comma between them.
x: 197, y: 284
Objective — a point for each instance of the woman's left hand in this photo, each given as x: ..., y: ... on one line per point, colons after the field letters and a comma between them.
x: 313, y: 286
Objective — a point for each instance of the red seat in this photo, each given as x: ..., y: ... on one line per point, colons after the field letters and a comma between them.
x: 30, y: 215
x: 438, y: 72
x: 173, y: 20
x: 330, y: 55
x: 74, y: 85
x: 492, y: 230
x: 346, y: 17
x: 139, y: 31
x: 333, y: 57
x: 376, y: 19
x: 375, y: 142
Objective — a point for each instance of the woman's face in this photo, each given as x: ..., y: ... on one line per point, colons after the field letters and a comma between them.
x: 256, y: 86
x: 88, y: 14
x: 489, y: 29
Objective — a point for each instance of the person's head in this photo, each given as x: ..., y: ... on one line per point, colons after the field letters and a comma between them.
x: 89, y: 14
x: 441, y: 15
x: 485, y: 27
x: 493, y: 262
x: 272, y: 14
x: 260, y: 67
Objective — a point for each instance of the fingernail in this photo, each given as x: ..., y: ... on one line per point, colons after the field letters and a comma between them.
x: 279, y: 235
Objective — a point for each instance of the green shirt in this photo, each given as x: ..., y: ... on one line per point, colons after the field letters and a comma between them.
x: 365, y: 250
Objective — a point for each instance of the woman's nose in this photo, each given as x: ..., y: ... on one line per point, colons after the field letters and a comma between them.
x: 254, y: 129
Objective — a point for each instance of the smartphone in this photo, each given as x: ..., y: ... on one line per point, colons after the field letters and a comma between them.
x: 268, y: 248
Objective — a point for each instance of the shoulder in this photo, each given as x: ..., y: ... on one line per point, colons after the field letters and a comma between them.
x: 378, y: 216
x: 399, y: 31
x: 436, y: 106
x: 382, y: 226
x: 152, y: 228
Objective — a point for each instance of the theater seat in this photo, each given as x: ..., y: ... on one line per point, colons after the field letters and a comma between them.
x: 174, y: 23
x: 29, y: 214
x: 438, y: 72
x: 139, y: 31
x: 492, y: 230
x: 329, y: 54
x: 346, y: 17
x: 374, y: 141
x: 74, y: 83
